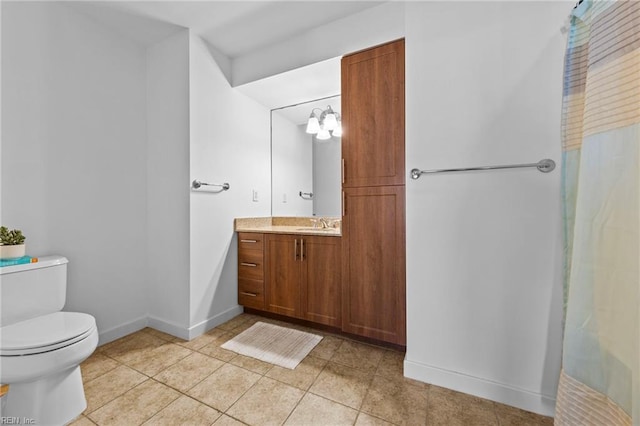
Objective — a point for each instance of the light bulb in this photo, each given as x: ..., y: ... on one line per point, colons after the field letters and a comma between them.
x: 323, y: 134
x: 337, y: 132
x: 330, y: 121
x: 313, y: 126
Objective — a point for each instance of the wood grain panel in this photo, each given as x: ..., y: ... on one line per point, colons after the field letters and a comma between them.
x: 373, y: 116
x: 250, y: 241
x: 321, y: 285
x: 373, y: 270
x: 282, y: 278
x: 251, y: 264
x: 251, y: 293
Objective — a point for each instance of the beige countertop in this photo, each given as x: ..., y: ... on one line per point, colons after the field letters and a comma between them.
x: 285, y: 225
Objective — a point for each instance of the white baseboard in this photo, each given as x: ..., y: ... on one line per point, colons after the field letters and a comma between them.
x: 206, y: 325
x: 117, y: 332
x: 498, y: 392
x: 169, y: 327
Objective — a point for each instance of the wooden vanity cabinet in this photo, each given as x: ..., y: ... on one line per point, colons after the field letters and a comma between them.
x: 251, y: 269
x: 303, y: 277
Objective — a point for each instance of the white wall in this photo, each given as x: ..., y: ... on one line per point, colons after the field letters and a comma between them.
x: 292, y: 163
x: 167, y: 165
x: 484, y: 86
x: 354, y: 32
x: 229, y: 142
x: 327, y: 175
x: 73, y: 154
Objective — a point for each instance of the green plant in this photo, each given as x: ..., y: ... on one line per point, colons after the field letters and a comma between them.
x: 10, y: 238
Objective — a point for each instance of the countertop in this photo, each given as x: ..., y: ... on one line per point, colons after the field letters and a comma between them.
x: 286, y: 225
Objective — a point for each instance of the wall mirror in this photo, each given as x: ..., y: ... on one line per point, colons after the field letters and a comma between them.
x: 305, y: 168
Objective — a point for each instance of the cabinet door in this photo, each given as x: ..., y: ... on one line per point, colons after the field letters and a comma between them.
x: 373, y: 116
x: 282, y: 278
x: 373, y: 234
x: 321, y: 286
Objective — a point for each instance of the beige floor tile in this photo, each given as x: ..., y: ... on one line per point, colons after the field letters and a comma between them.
x: 448, y: 407
x: 132, y: 347
x: 268, y: 402
x: 251, y: 364
x: 234, y: 322
x: 96, y: 365
x: 365, y: 419
x: 242, y: 327
x: 392, y: 367
x: 157, y: 359
x: 135, y: 406
x: 162, y: 335
x: 214, y: 350
x: 396, y: 401
x: 225, y: 420
x: 224, y: 387
x: 110, y: 385
x: 327, y: 347
x: 189, y: 371
x: 511, y: 416
x: 302, y: 376
x: 82, y: 421
x: 184, y: 411
x: 211, y: 336
x: 315, y: 410
x: 358, y: 355
x: 342, y: 384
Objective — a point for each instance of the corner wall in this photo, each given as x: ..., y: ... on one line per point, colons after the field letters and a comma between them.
x: 74, y: 155
x: 484, y: 296
x: 167, y: 166
x: 229, y: 142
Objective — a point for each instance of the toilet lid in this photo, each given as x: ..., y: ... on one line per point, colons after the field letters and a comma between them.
x: 45, y: 333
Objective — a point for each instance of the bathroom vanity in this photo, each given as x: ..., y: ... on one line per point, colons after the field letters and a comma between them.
x: 291, y: 270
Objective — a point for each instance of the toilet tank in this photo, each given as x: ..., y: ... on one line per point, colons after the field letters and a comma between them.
x: 32, y: 289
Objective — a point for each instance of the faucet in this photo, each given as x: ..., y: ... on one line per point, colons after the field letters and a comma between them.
x: 323, y: 222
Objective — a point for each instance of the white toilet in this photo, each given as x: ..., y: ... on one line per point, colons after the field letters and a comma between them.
x: 41, y: 348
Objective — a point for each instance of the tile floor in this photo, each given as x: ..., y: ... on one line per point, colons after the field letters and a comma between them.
x: 153, y: 378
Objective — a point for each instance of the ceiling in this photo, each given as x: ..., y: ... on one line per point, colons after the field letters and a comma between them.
x: 234, y: 28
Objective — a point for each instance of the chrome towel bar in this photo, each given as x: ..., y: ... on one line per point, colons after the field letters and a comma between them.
x: 545, y: 166
x: 196, y: 184
x: 306, y: 195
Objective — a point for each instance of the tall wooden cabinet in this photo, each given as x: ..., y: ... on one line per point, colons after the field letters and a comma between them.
x: 373, y: 223
x: 373, y: 116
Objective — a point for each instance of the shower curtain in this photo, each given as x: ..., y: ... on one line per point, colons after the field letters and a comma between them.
x: 600, y: 379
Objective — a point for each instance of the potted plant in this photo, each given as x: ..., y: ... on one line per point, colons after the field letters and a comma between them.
x: 11, y: 243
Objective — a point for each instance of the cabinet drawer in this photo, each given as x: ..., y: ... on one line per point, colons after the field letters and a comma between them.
x: 251, y: 293
x: 250, y: 264
x: 250, y: 241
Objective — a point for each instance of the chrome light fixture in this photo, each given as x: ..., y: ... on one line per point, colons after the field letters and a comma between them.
x: 325, y: 124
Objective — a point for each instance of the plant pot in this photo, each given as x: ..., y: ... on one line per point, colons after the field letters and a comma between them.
x: 12, y: 252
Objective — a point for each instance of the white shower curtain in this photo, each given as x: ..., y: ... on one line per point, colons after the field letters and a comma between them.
x: 599, y: 384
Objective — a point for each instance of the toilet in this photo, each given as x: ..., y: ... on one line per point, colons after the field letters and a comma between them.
x: 41, y: 347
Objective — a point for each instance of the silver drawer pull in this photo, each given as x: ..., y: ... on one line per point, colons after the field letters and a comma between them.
x: 253, y: 265
x: 248, y: 241
x: 244, y: 293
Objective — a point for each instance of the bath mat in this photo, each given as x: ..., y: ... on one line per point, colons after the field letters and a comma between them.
x: 277, y: 345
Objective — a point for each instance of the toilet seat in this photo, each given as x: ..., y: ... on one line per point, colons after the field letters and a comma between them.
x: 45, y: 333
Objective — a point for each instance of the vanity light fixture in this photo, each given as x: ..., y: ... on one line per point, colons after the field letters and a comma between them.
x: 324, y: 125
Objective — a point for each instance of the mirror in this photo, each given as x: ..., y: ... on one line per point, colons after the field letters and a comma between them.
x: 305, y: 171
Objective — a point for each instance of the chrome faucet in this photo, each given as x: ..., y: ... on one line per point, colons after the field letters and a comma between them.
x: 322, y: 223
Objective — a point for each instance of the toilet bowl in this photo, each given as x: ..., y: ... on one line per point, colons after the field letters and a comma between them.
x: 40, y: 354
